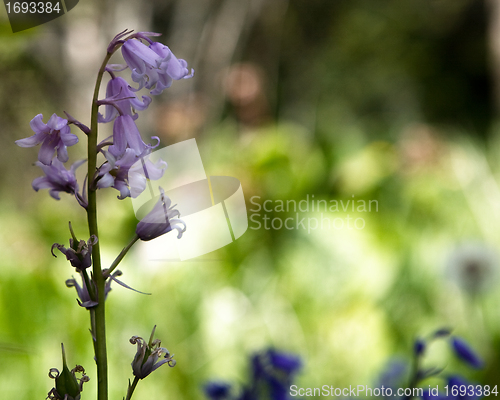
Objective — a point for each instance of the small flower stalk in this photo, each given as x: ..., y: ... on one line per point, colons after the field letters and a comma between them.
x: 125, y: 167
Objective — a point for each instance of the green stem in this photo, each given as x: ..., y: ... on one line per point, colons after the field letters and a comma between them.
x: 99, y: 310
x: 131, y: 388
x: 90, y: 285
x: 414, y: 377
x: 121, y: 255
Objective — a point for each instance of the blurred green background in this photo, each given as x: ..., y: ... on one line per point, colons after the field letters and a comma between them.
x: 388, y: 101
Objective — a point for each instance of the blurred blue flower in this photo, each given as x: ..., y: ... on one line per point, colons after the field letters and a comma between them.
x: 458, y: 388
x: 394, y: 376
x: 465, y: 353
x: 217, y: 390
x: 271, y: 378
x: 419, y: 347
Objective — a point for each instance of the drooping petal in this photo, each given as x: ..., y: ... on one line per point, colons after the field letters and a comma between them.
x: 122, y: 187
x: 57, y: 123
x: 164, y: 82
x: 47, y: 149
x: 31, y: 141
x: 38, y: 126
x: 57, y: 178
x: 41, y: 183
x: 139, y: 105
x: 161, y: 50
x: 105, y: 181
x: 54, y: 193
x: 132, y: 134
x: 119, y: 138
x: 176, y: 68
x: 67, y: 137
x: 62, y: 153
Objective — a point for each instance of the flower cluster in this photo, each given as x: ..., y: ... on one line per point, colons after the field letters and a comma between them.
x: 154, y: 67
x: 396, y: 375
x: 126, y: 167
x: 272, y: 375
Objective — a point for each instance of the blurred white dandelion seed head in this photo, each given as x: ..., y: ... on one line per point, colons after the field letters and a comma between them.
x: 473, y: 266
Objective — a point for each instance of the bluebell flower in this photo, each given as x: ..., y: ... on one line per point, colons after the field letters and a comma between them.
x: 118, y: 91
x: 153, y: 66
x: 288, y: 363
x: 58, y: 179
x: 148, y: 357
x: 54, y: 136
x: 79, y: 253
x: 160, y: 220
x: 465, y: 353
x: 129, y: 173
x: 394, y: 375
x: 126, y: 135
x: 271, y: 378
x: 273, y: 372
x: 84, y: 299
x: 217, y: 390
x: 419, y: 347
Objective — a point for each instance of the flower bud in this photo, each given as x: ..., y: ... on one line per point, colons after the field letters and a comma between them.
x: 68, y: 387
x: 465, y: 353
